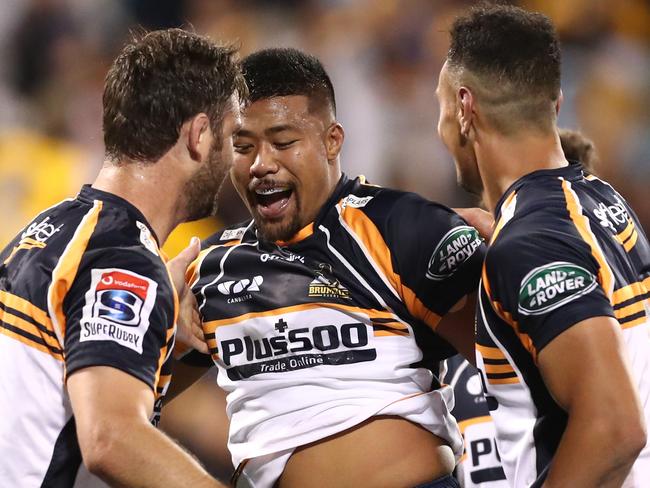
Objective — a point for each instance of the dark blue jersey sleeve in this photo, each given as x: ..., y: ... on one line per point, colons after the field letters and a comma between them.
x: 542, y: 283
x: 120, y: 313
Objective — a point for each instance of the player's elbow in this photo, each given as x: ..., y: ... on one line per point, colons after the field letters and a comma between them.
x: 627, y: 437
x: 99, y: 443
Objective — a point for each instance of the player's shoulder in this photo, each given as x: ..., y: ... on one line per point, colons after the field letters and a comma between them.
x: 389, y: 207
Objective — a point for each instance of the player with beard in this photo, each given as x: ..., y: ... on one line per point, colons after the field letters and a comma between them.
x: 562, y: 320
x: 88, y: 308
x: 324, y: 314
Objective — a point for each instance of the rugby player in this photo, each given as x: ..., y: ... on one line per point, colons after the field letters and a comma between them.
x: 323, y: 313
x: 88, y: 307
x: 562, y: 320
x: 480, y: 466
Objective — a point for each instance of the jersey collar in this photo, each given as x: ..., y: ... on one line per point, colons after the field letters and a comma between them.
x: 89, y: 194
x: 573, y: 171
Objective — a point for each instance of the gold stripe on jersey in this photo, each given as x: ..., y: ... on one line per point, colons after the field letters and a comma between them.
x: 631, y: 242
x: 301, y: 235
x: 498, y: 370
x: 367, y: 232
x: 26, y: 307
x: 626, y: 233
x: 506, y: 316
x: 211, y: 326
x: 65, y: 271
x: 30, y: 341
x: 605, y: 275
x: 633, y: 290
x: 502, y: 221
x: 171, y: 329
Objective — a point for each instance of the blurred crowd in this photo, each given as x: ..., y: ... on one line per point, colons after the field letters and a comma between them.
x: 383, y: 57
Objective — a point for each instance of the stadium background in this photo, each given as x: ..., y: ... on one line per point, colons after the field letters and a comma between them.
x: 383, y: 57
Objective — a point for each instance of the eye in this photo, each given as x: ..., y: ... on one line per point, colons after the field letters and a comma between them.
x: 284, y: 145
x: 242, y: 148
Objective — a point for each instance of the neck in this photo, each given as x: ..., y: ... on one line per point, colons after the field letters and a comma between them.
x: 502, y: 160
x: 148, y: 187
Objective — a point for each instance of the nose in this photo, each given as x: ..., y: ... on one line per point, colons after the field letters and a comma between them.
x: 264, y: 163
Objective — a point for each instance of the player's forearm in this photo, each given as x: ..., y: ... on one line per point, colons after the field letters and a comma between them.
x: 596, y: 450
x: 137, y: 454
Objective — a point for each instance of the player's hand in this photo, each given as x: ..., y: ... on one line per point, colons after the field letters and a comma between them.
x: 189, y: 333
x: 478, y: 218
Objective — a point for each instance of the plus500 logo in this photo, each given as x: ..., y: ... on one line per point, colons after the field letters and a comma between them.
x: 321, y: 338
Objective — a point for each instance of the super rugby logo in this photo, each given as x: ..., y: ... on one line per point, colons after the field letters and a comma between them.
x: 117, y: 308
x: 119, y: 297
x: 548, y: 287
x: 456, y: 247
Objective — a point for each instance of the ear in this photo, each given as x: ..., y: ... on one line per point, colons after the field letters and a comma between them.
x: 334, y: 141
x: 198, y: 136
x: 558, y: 103
x: 466, y: 110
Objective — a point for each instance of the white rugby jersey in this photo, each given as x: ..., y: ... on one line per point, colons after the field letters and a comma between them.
x: 566, y: 247
x: 83, y: 285
x: 316, y: 335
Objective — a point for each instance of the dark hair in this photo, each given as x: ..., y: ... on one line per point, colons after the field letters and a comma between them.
x: 577, y: 147
x: 157, y: 83
x: 514, y: 57
x: 285, y: 71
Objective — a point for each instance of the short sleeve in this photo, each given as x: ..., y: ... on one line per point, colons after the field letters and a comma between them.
x: 120, y: 313
x: 545, y: 282
x: 437, y: 254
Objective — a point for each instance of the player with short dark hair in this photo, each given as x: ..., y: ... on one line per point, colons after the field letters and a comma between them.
x: 326, y: 313
x: 562, y: 320
x: 88, y: 308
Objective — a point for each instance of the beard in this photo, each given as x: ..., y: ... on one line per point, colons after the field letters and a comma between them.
x: 202, y: 191
x: 281, y: 230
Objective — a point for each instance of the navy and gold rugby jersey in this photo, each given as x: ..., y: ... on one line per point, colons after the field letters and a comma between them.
x: 83, y: 285
x: 566, y: 247
x: 315, y: 335
x: 480, y: 466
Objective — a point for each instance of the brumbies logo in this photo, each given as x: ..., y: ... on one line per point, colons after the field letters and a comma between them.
x: 117, y: 308
x: 326, y: 285
x: 456, y: 247
x: 548, y: 287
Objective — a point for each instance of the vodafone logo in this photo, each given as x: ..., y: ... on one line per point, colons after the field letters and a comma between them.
x: 117, y: 280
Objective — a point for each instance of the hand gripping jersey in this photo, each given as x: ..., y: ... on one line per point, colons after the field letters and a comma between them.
x: 313, y: 336
x: 83, y: 285
x: 480, y: 466
x: 566, y: 247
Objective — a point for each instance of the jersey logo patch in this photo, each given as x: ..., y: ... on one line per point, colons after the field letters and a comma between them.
x: 117, y: 308
x: 548, y: 287
x: 239, y: 290
x: 230, y: 234
x: 146, y: 238
x: 355, y: 201
x: 456, y: 247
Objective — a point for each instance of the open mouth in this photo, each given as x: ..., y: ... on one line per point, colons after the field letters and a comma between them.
x: 272, y: 201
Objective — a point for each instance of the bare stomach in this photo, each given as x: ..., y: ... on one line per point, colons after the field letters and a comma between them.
x: 382, y: 452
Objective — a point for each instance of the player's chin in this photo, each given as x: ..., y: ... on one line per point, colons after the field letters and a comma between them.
x: 280, y: 229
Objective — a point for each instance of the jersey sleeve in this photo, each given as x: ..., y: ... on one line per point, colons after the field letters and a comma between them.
x: 120, y: 313
x: 436, y: 253
x: 543, y: 283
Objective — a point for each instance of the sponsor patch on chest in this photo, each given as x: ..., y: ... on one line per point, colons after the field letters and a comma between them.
x: 117, y: 307
x: 550, y: 286
x: 456, y: 247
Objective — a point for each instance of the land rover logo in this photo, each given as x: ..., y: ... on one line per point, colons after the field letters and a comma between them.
x: 551, y: 286
x: 455, y: 248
